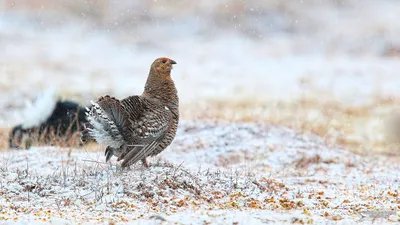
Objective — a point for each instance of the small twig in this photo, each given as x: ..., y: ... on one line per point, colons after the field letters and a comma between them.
x: 157, y: 217
x: 260, y: 186
x: 94, y: 161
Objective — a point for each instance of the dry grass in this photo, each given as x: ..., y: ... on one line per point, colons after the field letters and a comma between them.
x: 362, y: 129
x: 4, y: 134
x: 49, y: 136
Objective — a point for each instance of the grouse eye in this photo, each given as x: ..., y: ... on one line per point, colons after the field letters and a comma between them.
x: 164, y: 61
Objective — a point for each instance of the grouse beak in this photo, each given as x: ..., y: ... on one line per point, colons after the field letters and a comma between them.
x: 172, y: 61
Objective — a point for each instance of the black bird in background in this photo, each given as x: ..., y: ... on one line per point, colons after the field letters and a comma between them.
x: 60, y: 124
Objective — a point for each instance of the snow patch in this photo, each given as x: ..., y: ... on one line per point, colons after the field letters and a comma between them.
x: 213, y: 172
x: 39, y: 111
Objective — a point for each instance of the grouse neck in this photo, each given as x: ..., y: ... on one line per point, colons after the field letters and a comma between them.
x: 161, y: 87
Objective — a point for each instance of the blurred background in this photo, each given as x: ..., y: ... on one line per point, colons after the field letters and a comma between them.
x: 328, y: 67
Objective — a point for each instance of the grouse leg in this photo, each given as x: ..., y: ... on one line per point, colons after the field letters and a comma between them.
x: 145, y: 164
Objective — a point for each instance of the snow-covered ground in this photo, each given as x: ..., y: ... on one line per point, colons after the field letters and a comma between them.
x: 216, y: 171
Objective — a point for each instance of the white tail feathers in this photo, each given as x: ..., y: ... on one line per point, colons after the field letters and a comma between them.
x: 103, y: 129
x: 39, y: 111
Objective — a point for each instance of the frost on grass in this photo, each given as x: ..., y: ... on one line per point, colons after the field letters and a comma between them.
x: 214, y: 172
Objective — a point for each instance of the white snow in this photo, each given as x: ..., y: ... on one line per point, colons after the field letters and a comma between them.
x: 39, y: 111
x: 214, y: 171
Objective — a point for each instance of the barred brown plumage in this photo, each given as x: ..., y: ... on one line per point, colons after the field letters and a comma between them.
x: 138, y: 126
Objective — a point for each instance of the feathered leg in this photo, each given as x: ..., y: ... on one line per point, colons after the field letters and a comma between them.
x: 109, y: 153
x: 145, y: 164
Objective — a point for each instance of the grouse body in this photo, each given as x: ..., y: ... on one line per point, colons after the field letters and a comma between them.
x: 138, y: 126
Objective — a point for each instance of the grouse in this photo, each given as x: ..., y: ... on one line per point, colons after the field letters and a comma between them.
x: 138, y: 126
